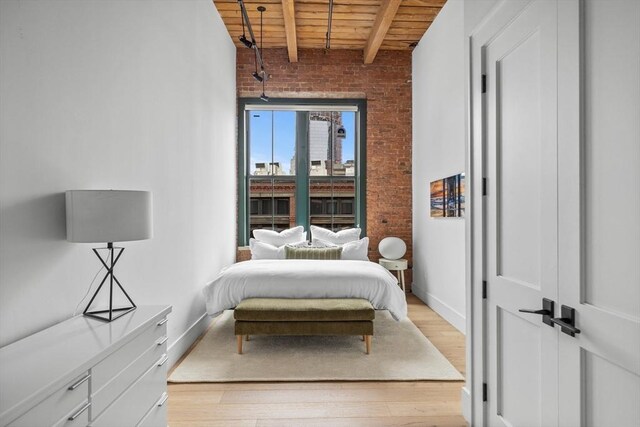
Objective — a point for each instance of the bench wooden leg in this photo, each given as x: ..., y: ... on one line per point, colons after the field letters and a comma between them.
x: 362, y: 338
x: 247, y: 337
x: 367, y: 341
x: 239, y: 337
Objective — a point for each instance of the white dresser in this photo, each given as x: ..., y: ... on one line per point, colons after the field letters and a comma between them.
x: 84, y: 372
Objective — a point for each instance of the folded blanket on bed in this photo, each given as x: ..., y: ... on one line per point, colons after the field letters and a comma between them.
x: 305, y: 279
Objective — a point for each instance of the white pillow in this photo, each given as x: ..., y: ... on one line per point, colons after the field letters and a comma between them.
x: 291, y: 235
x: 319, y: 243
x: 302, y: 244
x: 356, y: 251
x: 339, y: 238
x: 261, y: 250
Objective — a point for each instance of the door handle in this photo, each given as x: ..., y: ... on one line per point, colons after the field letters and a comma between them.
x: 567, y: 321
x: 547, y: 311
x: 543, y: 311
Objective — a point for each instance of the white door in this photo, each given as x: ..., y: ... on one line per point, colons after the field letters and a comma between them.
x: 521, y: 221
x: 561, y: 123
x: 599, y: 274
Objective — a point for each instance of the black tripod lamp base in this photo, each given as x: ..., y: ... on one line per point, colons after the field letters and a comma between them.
x: 110, y: 314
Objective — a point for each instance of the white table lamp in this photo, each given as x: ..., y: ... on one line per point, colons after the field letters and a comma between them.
x: 108, y: 216
x: 392, y: 248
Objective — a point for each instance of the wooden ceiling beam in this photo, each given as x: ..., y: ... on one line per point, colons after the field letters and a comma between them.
x: 289, y: 15
x: 383, y: 21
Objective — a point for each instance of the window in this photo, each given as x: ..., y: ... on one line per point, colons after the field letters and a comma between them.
x: 300, y: 162
x: 263, y: 206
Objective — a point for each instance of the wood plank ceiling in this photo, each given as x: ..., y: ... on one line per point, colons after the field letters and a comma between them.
x: 368, y: 25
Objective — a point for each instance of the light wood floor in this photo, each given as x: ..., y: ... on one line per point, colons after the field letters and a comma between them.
x: 371, y: 404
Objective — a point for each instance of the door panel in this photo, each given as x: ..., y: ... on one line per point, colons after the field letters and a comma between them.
x: 518, y: 392
x: 611, y: 121
x: 610, y: 393
x: 521, y: 221
x: 599, y: 243
x: 518, y: 158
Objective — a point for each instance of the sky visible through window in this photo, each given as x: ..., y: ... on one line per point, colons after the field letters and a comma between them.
x: 281, y: 126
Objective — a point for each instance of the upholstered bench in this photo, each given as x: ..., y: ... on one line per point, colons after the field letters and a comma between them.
x: 283, y: 316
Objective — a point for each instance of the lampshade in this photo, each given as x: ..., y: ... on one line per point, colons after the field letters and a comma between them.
x: 392, y: 248
x: 103, y: 216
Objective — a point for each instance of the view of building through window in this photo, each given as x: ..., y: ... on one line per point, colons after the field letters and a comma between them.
x: 274, y: 177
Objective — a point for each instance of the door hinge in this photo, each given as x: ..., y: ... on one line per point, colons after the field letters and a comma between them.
x: 484, y: 186
x: 484, y: 289
x: 484, y: 392
x: 484, y: 83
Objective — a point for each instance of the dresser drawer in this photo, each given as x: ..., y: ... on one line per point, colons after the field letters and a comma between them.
x: 134, y: 403
x: 106, y: 370
x: 107, y: 394
x: 56, y: 406
x: 157, y: 415
x: 79, y: 417
x: 393, y: 264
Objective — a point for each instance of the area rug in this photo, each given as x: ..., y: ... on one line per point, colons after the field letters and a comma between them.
x: 400, y: 352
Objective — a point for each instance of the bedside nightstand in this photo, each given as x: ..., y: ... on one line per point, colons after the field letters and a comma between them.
x: 398, y: 265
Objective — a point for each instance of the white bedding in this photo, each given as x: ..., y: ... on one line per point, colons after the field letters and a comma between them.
x: 305, y: 279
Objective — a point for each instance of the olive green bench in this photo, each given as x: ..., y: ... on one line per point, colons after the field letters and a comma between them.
x: 284, y: 316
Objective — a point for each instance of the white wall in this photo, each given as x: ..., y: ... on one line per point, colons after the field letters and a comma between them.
x: 476, y: 11
x: 123, y: 95
x: 439, y: 146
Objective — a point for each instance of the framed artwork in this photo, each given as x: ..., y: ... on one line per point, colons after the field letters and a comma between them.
x: 437, y: 198
x: 447, y: 197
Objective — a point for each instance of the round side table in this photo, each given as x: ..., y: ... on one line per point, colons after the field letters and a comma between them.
x: 397, y: 265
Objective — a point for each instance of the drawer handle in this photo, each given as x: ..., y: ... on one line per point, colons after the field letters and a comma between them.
x: 80, y: 411
x: 79, y: 382
x: 163, y: 321
x: 163, y: 360
x: 162, y: 340
x: 163, y: 399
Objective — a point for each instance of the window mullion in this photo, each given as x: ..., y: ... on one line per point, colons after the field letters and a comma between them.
x: 302, y: 169
x: 243, y: 179
x: 270, y: 172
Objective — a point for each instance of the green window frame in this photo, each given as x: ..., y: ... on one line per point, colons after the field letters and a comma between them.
x: 302, y: 178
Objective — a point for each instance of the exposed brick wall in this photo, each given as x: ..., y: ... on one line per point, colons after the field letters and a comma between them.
x: 386, y: 84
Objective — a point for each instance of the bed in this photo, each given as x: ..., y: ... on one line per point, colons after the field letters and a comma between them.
x: 291, y: 278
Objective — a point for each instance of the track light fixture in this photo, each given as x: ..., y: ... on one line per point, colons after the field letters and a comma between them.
x: 256, y: 75
x: 249, y: 42
x: 243, y: 38
x: 261, y: 76
x: 245, y: 41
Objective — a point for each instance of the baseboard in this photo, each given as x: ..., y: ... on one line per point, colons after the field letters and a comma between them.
x: 443, y: 309
x: 184, y: 341
x: 466, y: 404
